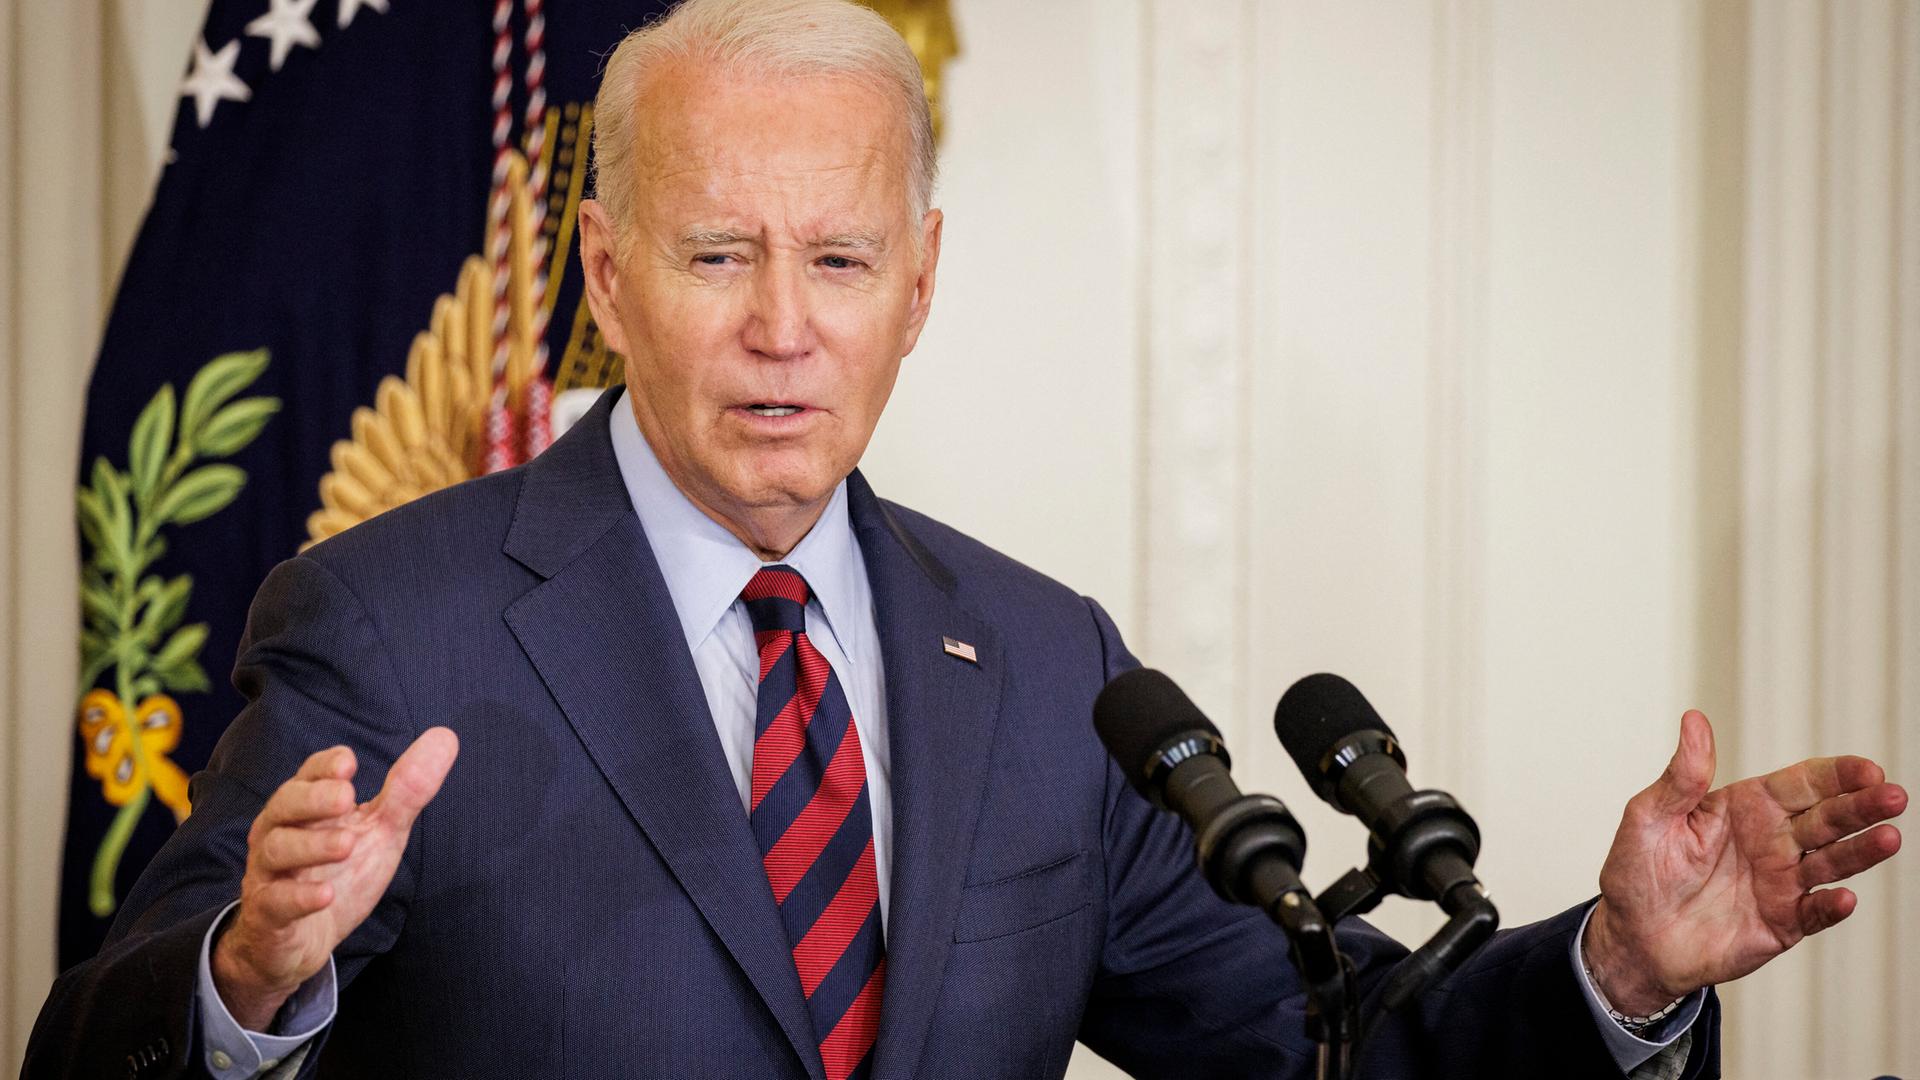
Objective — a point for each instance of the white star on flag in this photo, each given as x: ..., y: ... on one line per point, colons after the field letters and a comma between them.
x: 212, y: 79
x: 350, y: 8
x: 285, y: 26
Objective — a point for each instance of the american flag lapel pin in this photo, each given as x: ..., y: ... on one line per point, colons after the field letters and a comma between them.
x: 961, y: 649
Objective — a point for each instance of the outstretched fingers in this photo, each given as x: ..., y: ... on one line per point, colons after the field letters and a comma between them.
x: 1866, y: 799
x: 1844, y: 815
x: 1801, y: 786
x: 1842, y: 859
x: 1820, y: 910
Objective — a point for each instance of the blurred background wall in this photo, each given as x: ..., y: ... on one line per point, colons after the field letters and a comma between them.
x: 1547, y: 369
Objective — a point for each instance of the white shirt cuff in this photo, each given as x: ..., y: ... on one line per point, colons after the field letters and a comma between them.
x: 1630, y: 1051
x: 231, y: 1052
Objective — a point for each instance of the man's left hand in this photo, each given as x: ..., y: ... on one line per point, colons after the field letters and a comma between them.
x: 1703, y: 886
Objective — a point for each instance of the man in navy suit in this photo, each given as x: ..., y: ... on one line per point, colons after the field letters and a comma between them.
x: 760, y: 775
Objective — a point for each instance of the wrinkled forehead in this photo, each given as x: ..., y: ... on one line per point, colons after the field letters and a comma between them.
x: 801, y: 148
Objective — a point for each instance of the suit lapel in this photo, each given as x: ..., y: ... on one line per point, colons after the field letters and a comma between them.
x: 941, y: 713
x: 601, y: 634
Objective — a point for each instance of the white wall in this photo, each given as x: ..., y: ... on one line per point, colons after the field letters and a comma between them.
x: 1016, y: 416
x: 1396, y: 340
x: 1408, y: 293
x: 1429, y: 382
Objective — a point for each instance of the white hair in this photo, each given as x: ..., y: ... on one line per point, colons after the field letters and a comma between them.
x: 773, y: 38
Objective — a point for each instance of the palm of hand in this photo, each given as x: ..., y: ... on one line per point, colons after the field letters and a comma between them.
x: 317, y: 864
x: 355, y: 883
x: 1705, y: 887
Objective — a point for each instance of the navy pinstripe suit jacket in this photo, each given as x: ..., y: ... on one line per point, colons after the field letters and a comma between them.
x: 584, y: 897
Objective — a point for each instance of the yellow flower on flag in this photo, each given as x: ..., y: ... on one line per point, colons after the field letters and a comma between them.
x: 135, y: 636
x: 128, y: 756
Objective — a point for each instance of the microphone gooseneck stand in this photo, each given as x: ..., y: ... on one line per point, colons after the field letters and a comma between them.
x: 1422, y: 845
x: 1332, y: 996
x: 1250, y: 848
x: 1241, y: 863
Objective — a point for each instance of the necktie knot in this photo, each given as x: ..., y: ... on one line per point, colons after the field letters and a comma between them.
x: 776, y: 599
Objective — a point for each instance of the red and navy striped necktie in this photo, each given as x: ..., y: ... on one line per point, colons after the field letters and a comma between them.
x: 814, y: 825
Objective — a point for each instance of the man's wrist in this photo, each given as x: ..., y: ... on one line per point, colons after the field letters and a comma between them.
x: 252, y: 1000
x: 1624, y: 980
x: 1635, y: 1024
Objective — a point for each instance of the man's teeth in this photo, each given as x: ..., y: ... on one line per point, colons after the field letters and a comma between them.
x: 774, y: 410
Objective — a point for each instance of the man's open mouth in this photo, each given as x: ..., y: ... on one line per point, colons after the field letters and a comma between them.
x: 774, y: 410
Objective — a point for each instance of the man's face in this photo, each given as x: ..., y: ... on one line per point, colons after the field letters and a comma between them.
x: 768, y: 286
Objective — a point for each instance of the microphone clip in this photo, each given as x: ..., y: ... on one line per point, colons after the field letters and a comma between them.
x: 1407, y: 847
x: 1424, y: 847
x: 1241, y: 841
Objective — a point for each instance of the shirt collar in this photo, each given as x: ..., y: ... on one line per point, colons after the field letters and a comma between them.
x: 706, y: 567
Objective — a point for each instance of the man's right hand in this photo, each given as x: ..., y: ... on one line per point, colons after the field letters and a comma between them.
x: 316, y: 865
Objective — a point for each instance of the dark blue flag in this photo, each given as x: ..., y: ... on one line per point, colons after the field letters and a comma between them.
x: 342, y: 255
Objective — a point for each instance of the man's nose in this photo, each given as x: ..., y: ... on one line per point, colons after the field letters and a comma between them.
x: 780, y: 324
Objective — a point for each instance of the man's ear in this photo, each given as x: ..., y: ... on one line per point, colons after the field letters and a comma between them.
x: 923, y: 285
x: 600, y: 260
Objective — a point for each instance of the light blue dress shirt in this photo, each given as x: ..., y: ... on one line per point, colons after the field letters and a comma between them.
x: 1631, y: 1051
x: 705, y: 568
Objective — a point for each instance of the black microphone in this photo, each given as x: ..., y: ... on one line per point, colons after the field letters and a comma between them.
x: 1425, y: 844
x: 1420, y: 844
x: 1250, y: 846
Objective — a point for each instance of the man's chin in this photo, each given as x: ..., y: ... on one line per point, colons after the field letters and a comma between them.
x: 778, y: 491
x: 788, y: 476
x: 770, y: 515
x: 786, y: 498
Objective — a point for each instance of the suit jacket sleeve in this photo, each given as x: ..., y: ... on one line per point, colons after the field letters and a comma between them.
x: 315, y: 673
x: 1191, y: 986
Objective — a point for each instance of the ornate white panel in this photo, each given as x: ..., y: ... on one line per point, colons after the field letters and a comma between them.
x: 1195, y: 410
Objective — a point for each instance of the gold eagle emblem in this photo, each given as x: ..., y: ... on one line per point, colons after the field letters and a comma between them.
x: 427, y: 430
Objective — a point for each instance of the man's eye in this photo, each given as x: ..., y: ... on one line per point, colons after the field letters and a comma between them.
x: 838, y: 262
x: 720, y: 259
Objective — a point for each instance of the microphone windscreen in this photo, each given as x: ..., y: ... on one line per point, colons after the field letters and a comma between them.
x: 1317, y: 712
x: 1138, y: 714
